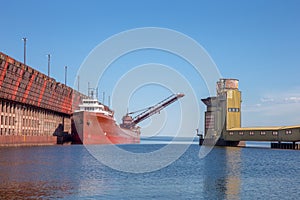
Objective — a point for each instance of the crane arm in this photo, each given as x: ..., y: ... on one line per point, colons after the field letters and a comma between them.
x: 137, y: 111
x: 157, y: 108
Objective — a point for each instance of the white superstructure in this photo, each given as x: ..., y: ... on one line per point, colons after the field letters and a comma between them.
x: 93, y: 105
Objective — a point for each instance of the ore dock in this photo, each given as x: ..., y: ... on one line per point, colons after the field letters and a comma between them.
x: 35, y: 109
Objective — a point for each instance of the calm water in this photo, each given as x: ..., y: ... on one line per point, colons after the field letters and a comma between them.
x: 70, y: 172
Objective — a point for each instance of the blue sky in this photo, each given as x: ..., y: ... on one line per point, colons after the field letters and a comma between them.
x: 257, y: 42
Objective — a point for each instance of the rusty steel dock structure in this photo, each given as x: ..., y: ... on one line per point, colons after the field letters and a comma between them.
x: 34, y: 108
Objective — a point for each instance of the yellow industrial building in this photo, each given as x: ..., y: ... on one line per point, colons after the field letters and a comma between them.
x: 223, y: 120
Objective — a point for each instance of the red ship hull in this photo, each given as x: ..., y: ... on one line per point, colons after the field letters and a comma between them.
x: 97, y: 128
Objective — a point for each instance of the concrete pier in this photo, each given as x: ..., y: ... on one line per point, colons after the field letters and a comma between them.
x: 285, y: 145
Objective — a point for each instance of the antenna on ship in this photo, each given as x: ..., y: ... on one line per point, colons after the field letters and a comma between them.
x: 97, y: 95
x: 103, y: 97
x: 92, y: 94
x: 88, y: 88
x: 78, y: 83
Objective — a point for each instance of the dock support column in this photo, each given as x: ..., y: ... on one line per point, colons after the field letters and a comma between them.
x: 4, y: 118
x: 1, y: 117
x: 294, y: 145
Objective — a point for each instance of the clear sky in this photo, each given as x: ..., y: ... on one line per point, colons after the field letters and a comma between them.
x: 257, y: 42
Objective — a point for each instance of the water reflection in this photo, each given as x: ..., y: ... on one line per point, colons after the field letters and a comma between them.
x: 39, y: 172
x: 222, y: 171
x: 27, y: 173
x: 70, y: 172
x: 33, y: 190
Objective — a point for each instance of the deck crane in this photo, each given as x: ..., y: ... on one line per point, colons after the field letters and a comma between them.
x: 130, y: 122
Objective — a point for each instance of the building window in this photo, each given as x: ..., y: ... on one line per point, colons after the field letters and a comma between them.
x: 288, y: 132
x: 241, y: 133
x: 262, y: 133
x: 233, y: 110
x: 275, y: 133
x: 251, y: 133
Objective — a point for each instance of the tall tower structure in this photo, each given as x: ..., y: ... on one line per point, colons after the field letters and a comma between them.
x: 229, y: 89
x: 223, y: 111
